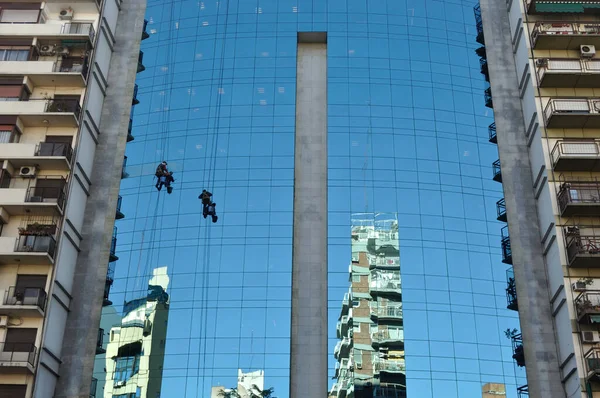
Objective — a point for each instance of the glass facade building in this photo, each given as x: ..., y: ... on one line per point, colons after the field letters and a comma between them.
x: 407, y: 137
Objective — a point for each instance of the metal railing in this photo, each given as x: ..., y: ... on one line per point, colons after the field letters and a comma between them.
x: 492, y: 132
x: 140, y: 66
x: 573, y: 106
x: 574, y: 149
x: 26, y: 296
x: 135, y: 101
x: 567, y: 65
x: 501, y: 209
x: 79, y: 28
x: 46, y: 195
x: 578, y: 192
x: 523, y: 391
x: 145, y: 34
x: 587, y: 302
x: 592, y: 360
x: 487, y: 93
x: 93, y: 387
x: 35, y: 244
x: 124, y: 168
x: 483, y: 68
x: 389, y: 365
x: 511, y: 291
x: 505, y: 243
x: 100, y: 340
x: 496, y: 170
x: 64, y: 106
x: 18, y: 352
x: 110, y: 273
x: 113, y: 243
x: 581, y: 244
x: 54, y: 149
x: 119, y: 203
x: 72, y: 67
x: 561, y: 28
x: 385, y: 335
x: 389, y: 285
x: 386, y: 310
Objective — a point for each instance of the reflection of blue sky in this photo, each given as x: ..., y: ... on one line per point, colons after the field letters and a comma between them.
x: 407, y: 134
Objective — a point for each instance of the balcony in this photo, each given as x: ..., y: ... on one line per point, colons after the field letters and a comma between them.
x: 592, y: 365
x: 483, y: 68
x: 382, y: 261
x: 72, y: 31
x: 24, y: 302
x: 386, y: 311
x: 388, y: 337
x: 124, y: 173
x: 518, y: 352
x: 113, y: 246
x: 17, y: 358
x: 342, y: 348
x: 492, y: 133
x: 129, y: 130
x: 385, y: 282
x: 39, y: 201
x: 580, y: 198
x: 46, y: 155
x: 135, y: 100
x: 523, y: 391
x: 572, y: 113
x: 562, y: 35
x: 564, y: 7
x: 501, y: 210
x: 505, y: 243
x: 100, y: 342
x: 43, y: 112
x: 479, y: 24
x: 583, y: 155
x: 583, y: 251
x: 488, y: 97
x: 557, y: 72
x: 119, y: 215
x: 145, y: 34
x: 49, y: 72
x: 511, y: 291
x: 110, y: 275
x: 27, y: 250
x: 346, y: 323
x: 587, y: 307
x: 496, y: 171
x: 93, y: 387
x: 140, y: 65
x: 389, y: 365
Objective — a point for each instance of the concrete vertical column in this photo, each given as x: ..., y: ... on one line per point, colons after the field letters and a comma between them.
x: 81, y: 332
x: 535, y: 313
x: 309, y: 262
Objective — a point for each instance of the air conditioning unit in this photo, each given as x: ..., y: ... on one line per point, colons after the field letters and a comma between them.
x: 47, y: 50
x: 590, y: 337
x: 27, y: 172
x: 587, y: 51
x: 63, y: 51
x: 3, y: 322
x: 578, y: 286
x: 66, y: 14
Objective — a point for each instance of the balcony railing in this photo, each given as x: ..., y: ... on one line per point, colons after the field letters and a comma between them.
x: 124, y: 173
x: 64, y: 106
x: 79, y: 28
x: 392, y: 336
x: 135, y: 100
x: 119, y: 215
x: 505, y: 243
x: 113, y: 246
x: 478, y: 24
x: 497, y: 171
x: 501, y: 210
x: 572, y: 113
x: 392, y: 311
x: 587, y: 307
x: 140, y: 65
x: 383, y: 365
x: 93, y: 387
x: 483, y: 68
x: 54, y: 149
x: 36, y: 244
x: 592, y: 364
x: 568, y: 72
x: 579, y: 198
x: 559, y: 35
x: 100, y: 342
x: 511, y: 291
x: 17, y: 352
x: 583, y: 251
x: 392, y: 285
x: 26, y: 296
x: 73, y: 67
x: 518, y: 351
x: 488, y: 97
x: 46, y: 195
x: 129, y: 131
x: 145, y: 34
x: 523, y: 391
x: 492, y: 133
x: 576, y: 156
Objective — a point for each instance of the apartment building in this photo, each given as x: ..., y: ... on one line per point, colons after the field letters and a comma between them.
x: 542, y: 59
x: 55, y: 60
x: 370, y: 352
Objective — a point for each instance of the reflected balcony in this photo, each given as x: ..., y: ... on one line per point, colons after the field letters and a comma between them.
x: 44, y: 112
x: 389, y: 366
x: 346, y: 323
x: 523, y: 391
x: 145, y: 34
x: 483, y: 68
x: 124, y: 173
x: 100, y: 342
x: 505, y: 243
x: 592, y: 365
x: 113, y: 246
x: 385, y: 283
x: 497, y: 171
x: 501, y: 210
x: 119, y: 215
x: 488, y: 97
x: 580, y: 198
x: 24, y: 302
x: 568, y: 72
x: 386, y: 311
x: 17, y: 358
x: 135, y: 100
x: 561, y: 35
x: 27, y: 250
x: 518, y: 351
x: 334, y: 390
x: 492, y: 133
x: 511, y: 291
x: 557, y: 7
x: 344, y: 387
x: 130, y: 136
x: 140, y: 65
x: 388, y: 337
x: 93, y: 387
x: 342, y: 348
x: 110, y: 276
x: 384, y: 262
x: 478, y: 24
x: 580, y: 155
x: 583, y: 251
x: 587, y: 307
x: 572, y: 113
x: 346, y: 303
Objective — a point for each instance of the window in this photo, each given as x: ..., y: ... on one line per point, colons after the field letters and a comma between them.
x: 355, y: 303
x: 358, y: 358
x: 13, y: 390
x: 5, y: 178
x: 125, y: 368
x: 356, y: 327
x: 20, y: 340
x: 14, y: 53
x: 355, y: 278
x: 136, y: 394
x: 19, y: 16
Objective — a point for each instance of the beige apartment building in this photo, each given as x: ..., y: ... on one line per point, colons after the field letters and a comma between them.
x: 542, y: 59
x: 55, y: 60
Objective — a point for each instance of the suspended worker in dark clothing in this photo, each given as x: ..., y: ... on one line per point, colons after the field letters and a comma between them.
x: 161, y: 171
x: 168, y: 180
x: 205, y: 198
x: 211, y: 210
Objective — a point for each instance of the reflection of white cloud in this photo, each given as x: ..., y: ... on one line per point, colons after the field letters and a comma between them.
x: 354, y: 143
x: 176, y: 25
x: 199, y: 146
x: 221, y: 90
x: 205, y: 23
x: 153, y: 31
x: 264, y: 53
x: 261, y: 90
x: 164, y: 68
x: 258, y: 10
x: 202, y: 5
x: 263, y: 102
x: 281, y: 90
x: 294, y: 9
x: 466, y: 153
x: 199, y: 56
x: 350, y: 52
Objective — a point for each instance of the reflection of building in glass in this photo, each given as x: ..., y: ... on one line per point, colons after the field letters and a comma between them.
x: 370, y: 352
x: 247, y: 382
x: 493, y: 390
x: 136, y: 348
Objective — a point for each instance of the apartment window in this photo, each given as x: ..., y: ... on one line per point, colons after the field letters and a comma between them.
x: 20, y: 340
x: 136, y: 394
x: 355, y: 303
x: 14, y: 53
x: 356, y: 327
x: 9, y: 134
x: 5, y: 178
x: 19, y: 16
x: 358, y: 358
x: 49, y: 188
x: 125, y: 368
x: 13, y: 92
x: 13, y: 390
x: 355, y: 278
